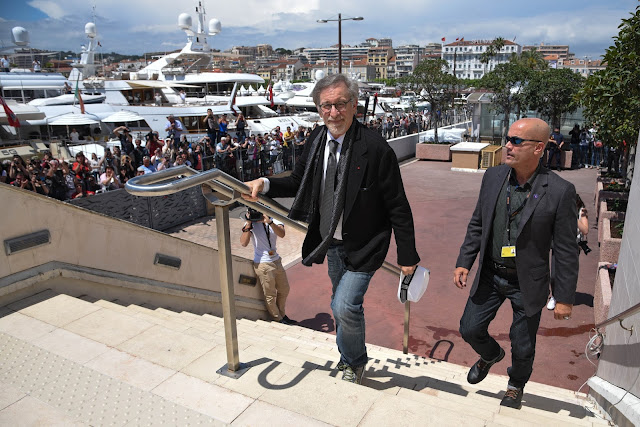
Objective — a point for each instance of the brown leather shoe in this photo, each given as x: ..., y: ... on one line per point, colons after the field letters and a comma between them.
x: 512, y: 398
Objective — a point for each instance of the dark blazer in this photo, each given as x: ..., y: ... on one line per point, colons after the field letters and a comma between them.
x: 375, y: 203
x: 549, y: 220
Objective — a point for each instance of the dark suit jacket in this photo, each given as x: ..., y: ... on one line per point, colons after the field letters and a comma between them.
x: 549, y: 220
x: 375, y: 203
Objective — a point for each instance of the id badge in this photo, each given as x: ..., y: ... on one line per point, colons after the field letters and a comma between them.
x: 508, y: 251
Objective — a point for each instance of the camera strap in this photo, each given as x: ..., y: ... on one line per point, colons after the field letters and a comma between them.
x: 267, y: 231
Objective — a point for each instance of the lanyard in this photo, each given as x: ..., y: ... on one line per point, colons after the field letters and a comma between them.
x: 267, y: 231
x: 511, y: 215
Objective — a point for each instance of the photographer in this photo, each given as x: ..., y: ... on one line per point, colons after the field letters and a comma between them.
x: 109, y: 180
x: 581, y: 238
x: 264, y: 231
x: 126, y: 140
x: 174, y: 129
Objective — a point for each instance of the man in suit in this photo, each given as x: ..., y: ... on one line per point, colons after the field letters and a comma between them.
x: 347, y: 187
x: 523, y: 211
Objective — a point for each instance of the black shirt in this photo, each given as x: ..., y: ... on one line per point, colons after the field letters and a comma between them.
x: 499, y: 235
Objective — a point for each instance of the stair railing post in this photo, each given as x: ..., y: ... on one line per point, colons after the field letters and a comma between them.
x: 226, y: 288
x: 405, y: 338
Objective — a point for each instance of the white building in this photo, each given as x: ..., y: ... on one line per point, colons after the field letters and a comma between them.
x: 464, y: 56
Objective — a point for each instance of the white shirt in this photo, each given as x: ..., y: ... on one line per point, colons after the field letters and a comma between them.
x: 262, y: 244
x: 267, y: 184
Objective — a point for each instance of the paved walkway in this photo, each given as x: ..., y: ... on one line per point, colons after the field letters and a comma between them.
x: 442, y: 202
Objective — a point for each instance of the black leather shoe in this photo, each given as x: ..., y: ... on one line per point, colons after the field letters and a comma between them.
x: 512, y: 398
x: 288, y: 321
x: 480, y: 369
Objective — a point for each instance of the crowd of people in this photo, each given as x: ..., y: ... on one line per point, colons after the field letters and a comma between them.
x: 587, y: 149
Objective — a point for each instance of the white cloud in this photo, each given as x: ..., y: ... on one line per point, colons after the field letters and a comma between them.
x: 49, y: 8
x: 137, y: 26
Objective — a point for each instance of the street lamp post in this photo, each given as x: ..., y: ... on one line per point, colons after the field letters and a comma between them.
x: 339, y: 21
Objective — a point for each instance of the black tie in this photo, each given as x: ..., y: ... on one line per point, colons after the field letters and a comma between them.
x: 328, y: 193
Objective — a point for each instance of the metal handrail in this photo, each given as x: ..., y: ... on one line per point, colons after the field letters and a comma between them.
x: 161, y: 184
x: 620, y: 317
x: 156, y: 184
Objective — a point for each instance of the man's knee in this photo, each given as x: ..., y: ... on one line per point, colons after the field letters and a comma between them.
x: 470, y: 330
x: 344, y: 311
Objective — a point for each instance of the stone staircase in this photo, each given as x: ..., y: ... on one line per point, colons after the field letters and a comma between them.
x: 86, y: 361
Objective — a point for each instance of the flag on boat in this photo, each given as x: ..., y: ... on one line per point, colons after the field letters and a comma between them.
x: 271, y: 94
x: 375, y: 103
x: 233, y: 104
x: 11, y: 117
x: 77, y: 95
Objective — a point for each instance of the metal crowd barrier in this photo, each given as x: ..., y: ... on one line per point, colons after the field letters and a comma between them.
x: 161, y: 184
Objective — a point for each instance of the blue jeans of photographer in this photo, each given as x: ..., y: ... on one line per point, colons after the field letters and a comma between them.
x: 481, y: 309
x: 347, y: 296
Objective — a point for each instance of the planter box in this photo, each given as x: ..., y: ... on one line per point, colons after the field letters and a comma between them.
x: 605, y: 213
x: 440, y: 152
x: 601, y: 294
x: 602, y: 194
x: 610, y: 246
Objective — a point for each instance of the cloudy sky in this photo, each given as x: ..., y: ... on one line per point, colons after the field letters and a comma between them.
x: 139, y: 26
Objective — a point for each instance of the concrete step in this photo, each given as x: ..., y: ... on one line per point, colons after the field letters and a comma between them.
x: 397, y: 389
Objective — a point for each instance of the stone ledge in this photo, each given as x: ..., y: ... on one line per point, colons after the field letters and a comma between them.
x: 601, y: 294
x: 65, y: 277
x: 605, y: 394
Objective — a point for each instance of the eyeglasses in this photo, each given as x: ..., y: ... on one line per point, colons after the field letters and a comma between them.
x: 340, y: 106
x: 514, y: 140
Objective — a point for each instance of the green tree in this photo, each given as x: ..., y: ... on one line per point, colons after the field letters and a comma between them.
x: 507, y: 82
x: 493, y: 49
x: 282, y: 51
x: 553, y: 93
x: 531, y: 59
x: 431, y: 82
x: 611, y: 97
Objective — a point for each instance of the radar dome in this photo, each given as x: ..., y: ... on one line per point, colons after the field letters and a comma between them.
x: 20, y: 36
x: 90, y: 29
x: 184, y: 21
x: 319, y: 74
x: 214, y: 26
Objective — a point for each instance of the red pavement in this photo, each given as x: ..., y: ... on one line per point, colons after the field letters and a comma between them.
x: 442, y: 202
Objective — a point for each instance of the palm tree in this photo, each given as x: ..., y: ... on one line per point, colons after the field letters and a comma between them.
x: 494, y: 48
x: 532, y: 59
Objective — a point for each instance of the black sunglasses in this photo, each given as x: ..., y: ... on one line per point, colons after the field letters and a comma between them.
x: 514, y: 140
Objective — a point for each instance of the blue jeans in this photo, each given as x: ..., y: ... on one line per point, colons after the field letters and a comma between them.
x: 554, y: 152
x: 481, y: 309
x: 347, y: 296
x: 584, y: 154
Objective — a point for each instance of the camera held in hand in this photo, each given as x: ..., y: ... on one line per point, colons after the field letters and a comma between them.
x: 582, y: 243
x: 254, y: 215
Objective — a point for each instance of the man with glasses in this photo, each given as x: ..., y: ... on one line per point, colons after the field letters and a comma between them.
x: 523, y: 211
x: 348, y: 188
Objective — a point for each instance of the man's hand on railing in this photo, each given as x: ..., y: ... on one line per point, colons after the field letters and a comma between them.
x: 256, y: 186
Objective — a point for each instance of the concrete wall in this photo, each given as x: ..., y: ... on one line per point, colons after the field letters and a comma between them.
x: 620, y: 359
x: 404, y: 146
x: 114, y: 248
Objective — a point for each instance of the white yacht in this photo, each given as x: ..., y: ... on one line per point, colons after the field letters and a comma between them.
x: 176, y: 83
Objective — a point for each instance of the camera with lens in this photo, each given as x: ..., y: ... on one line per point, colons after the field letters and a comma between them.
x: 582, y: 243
x: 254, y: 215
